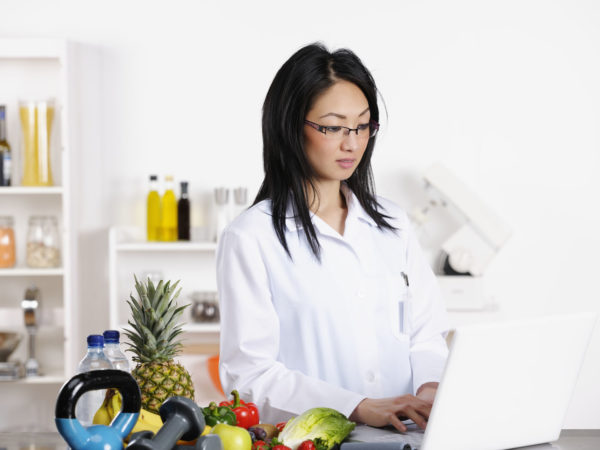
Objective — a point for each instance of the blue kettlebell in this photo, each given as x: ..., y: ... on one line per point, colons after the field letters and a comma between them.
x: 97, y: 437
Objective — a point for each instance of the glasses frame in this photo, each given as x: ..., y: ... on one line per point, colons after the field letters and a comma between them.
x: 323, y: 128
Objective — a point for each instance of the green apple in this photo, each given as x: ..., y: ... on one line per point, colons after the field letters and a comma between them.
x: 232, y: 437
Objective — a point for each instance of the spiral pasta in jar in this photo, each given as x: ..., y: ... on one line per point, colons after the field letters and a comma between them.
x: 43, y: 249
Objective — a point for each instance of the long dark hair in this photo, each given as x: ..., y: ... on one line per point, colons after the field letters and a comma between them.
x: 302, y: 78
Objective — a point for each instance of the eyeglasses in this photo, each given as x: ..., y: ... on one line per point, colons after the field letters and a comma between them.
x: 364, y: 130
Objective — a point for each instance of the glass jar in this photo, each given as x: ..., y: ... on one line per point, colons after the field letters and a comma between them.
x: 7, y: 242
x: 43, y: 248
x: 37, y: 118
x: 205, y: 306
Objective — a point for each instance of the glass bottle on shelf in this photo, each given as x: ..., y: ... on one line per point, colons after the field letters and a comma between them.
x: 153, y: 210
x: 222, y: 211
x: 43, y: 248
x: 37, y: 118
x: 5, y: 152
x: 183, y: 214
x: 169, y: 212
x: 7, y: 242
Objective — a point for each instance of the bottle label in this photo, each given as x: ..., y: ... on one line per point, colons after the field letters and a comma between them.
x: 6, y: 167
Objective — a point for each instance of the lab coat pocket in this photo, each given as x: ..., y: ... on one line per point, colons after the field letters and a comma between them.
x: 400, y: 305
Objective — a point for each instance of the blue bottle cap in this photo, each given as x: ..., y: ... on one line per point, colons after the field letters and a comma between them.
x: 95, y: 340
x: 111, y: 336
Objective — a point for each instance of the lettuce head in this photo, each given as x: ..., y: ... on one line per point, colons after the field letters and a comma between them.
x: 328, y: 425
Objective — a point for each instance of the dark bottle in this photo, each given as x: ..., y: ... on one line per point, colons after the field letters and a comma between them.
x: 183, y: 214
x: 5, y: 154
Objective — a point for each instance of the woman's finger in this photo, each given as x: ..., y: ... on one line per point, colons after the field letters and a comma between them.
x: 416, y: 417
x: 397, y: 423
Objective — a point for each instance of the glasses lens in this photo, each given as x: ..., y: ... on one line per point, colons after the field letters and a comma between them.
x: 373, y: 129
x: 333, y: 132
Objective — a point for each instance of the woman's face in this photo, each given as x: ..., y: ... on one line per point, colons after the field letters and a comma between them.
x: 335, y: 157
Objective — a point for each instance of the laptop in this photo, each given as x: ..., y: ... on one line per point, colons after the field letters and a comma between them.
x: 505, y: 385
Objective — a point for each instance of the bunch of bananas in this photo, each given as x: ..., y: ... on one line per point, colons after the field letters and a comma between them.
x: 111, y: 406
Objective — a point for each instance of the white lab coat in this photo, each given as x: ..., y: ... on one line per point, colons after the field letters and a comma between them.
x: 296, y: 334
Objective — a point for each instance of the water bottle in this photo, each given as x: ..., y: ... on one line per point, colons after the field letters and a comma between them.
x: 113, y: 352
x: 95, y: 359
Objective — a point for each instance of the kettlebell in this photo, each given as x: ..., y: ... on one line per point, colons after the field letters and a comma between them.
x: 97, y: 437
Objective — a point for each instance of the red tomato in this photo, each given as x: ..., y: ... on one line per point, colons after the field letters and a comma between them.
x: 280, y: 426
x: 307, y: 445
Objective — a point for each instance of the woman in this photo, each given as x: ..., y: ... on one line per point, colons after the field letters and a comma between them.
x: 326, y: 299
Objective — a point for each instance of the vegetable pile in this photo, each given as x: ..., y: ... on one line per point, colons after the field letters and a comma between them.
x: 238, y: 425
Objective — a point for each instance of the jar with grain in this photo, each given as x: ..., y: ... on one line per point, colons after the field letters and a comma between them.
x: 7, y: 242
x: 43, y: 248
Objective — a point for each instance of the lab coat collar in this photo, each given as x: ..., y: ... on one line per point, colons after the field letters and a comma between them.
x: 355, y: 210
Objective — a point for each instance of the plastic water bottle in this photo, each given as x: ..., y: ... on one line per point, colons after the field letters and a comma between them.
x: 95, y: 359
x: 113, y: 351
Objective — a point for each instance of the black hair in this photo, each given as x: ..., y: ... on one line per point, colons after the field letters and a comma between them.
x: 303, y: 77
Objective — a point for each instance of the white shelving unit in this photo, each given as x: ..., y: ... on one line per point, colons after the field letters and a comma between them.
x: 38, y: 69
x: 193, y: 263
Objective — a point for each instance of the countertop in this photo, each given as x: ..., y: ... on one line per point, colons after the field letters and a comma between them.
x: 569, y: 440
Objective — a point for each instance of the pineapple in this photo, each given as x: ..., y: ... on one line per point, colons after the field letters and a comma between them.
x: 155, y: 326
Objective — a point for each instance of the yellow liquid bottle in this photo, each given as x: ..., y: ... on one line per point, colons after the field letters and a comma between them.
x: 169, y: 212
x: 153, y: 211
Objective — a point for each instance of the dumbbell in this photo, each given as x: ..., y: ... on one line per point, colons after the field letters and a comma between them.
x: 182, y: 419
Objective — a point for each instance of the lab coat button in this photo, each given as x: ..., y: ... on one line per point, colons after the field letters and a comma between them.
x: 370, y: 376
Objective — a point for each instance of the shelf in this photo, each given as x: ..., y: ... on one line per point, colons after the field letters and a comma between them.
x: 31, y: 190
x: 191, y: 327
x: 202, y: 327
x: 27, y: 272
x: 166, y: 247
x: 22, y: 48
x: 44, y: 379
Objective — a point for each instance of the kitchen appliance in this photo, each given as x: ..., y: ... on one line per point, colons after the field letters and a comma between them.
x: 9, y: 370
x: 477, y: 236
x: 30, y: 306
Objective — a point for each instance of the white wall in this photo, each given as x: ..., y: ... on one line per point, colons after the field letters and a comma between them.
x: 505, y: 94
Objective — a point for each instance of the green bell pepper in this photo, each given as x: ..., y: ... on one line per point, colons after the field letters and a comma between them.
x: 214, y: 415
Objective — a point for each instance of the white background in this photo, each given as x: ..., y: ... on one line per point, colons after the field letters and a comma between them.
x: 505, y: 94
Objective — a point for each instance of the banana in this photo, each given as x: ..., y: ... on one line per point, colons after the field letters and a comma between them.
x: 116, y: 402
x: 147, y: 421
x: 103, y: 416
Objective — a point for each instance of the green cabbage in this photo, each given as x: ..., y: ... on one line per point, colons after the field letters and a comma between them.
x: 326, y: 424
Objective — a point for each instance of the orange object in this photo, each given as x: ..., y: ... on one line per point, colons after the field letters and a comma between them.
x: 213, y: 371
x: 7, y: 243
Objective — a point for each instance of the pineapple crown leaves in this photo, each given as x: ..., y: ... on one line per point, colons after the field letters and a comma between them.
x: 155, y: 321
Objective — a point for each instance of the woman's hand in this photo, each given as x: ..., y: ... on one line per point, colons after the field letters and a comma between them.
x: 385, y: 411
x: 427, y: 391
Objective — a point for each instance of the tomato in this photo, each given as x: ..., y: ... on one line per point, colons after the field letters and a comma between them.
x: 280, y: 426
x: 307, y: 445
